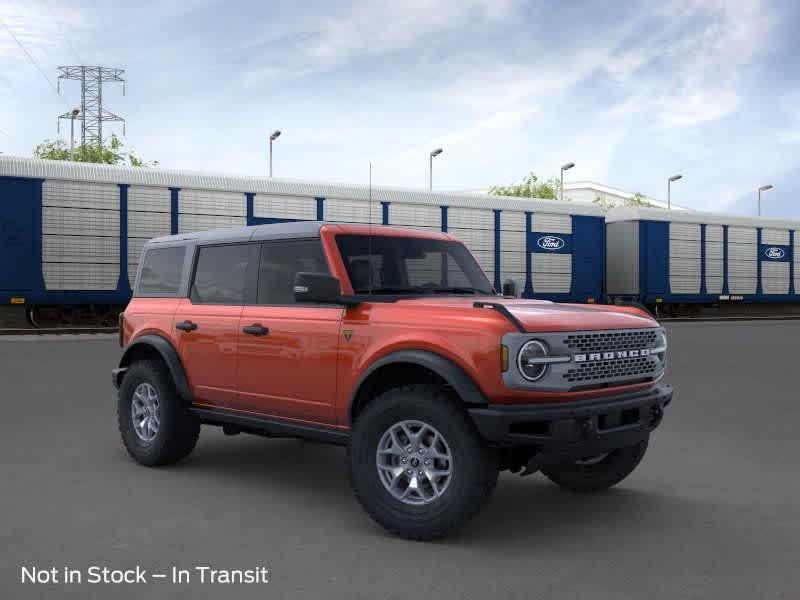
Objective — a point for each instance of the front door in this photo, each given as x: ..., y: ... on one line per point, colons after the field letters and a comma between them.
x: 207, y: 323
x: 287, y: 351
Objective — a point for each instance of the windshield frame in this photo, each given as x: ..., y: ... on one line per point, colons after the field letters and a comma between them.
x: 479, y: 283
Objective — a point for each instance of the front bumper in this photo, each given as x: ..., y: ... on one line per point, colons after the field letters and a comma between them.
x: 575, y: 430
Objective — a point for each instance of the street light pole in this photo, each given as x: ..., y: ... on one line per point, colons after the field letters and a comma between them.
x: 272, y: 138
x: 565, y: 167
x: 669, y: 191
x: 73, y: 114
x: 763, y: 188
x: 436, y: 152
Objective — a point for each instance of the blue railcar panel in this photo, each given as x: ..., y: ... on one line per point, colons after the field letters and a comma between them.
x: 588, y: 258
x: 653, y: 260
x: 20, y: 245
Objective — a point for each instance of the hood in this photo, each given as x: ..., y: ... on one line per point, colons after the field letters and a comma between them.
x: 543, y: 315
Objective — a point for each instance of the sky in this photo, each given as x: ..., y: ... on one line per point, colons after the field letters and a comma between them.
x: 632, y: 92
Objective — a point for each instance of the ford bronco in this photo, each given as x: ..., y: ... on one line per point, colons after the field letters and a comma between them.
x: 390, y: 341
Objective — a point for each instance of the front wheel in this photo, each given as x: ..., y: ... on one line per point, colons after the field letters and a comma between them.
x: 417, y: 464
x: 599, y: 472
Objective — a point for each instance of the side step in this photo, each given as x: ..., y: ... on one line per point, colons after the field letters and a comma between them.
x: 270, y: 426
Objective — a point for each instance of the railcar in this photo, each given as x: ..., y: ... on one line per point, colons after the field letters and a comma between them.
x: 73, y: 232
x: 671, y: 260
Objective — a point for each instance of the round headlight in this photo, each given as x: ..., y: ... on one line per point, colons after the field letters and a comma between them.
x: 527, y: 360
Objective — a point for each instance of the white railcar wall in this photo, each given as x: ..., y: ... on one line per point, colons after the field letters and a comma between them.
x: 742, y: 260
x: 475, y: 227
x: 200, y: 210
x: 338, y: 210
x: 513, y: 246
x: 775, y: 275
x: 80, y: 235
x: 684, y: 258
x: 301, y: 208
x: 796, y: 260
x: 715, y: 268
x: 149, y: 216
x: 414, y: 215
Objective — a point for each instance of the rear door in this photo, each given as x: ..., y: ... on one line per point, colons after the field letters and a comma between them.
x: 207, y: 323
x: 288, y: 351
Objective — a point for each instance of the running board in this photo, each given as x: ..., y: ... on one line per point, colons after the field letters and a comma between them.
x: 270, y: 426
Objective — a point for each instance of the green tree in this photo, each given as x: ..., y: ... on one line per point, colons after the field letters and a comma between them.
x: 530, y: 187
x: 110, y: 154
x: 638, y: 199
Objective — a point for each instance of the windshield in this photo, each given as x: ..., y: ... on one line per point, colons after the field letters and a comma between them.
x: 406, y: 265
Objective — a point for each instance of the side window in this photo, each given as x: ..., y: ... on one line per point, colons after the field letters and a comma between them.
x: 280, y: 262
x: 161, y: 271
x: 220, y: 274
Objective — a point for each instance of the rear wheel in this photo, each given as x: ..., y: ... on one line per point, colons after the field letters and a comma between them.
x: 417, y: 464
x: 598, y: 472
x: 154, y: 421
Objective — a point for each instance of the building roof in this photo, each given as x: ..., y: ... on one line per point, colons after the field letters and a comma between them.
x: 12, y: 166
x: 635, y: 213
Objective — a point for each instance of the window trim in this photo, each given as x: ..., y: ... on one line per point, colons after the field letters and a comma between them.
x: 249, y: 288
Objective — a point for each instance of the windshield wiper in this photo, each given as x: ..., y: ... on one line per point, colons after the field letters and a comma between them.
x: 456, y: 290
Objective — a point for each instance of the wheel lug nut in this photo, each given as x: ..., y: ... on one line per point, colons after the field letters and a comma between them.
x: 404, y: 460
x: 409, y: 449
x: 420, y: 473
x: 427, y: 462
x: 422, y: 450
x: 410, y: 471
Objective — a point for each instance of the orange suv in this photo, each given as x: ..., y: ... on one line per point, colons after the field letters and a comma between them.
x: 392, y: 342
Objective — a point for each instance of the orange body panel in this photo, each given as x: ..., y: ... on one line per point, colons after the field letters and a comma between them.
x: 309, y: 365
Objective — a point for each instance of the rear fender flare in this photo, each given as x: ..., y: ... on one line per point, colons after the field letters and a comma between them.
x: 167, y: 353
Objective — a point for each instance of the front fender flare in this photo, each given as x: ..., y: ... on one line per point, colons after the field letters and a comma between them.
x: 453, y: 375
x: 167, y: 353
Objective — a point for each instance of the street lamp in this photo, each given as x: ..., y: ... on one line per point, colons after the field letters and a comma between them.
x: 436, y: 152
x: 565, y: 167
x: 763, y: 188
x: 72, y: 116
x: 669, y: 183
x: 275, y: 135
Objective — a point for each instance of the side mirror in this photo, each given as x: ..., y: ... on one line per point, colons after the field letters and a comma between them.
x: 319, y: 288
x: 509, y: 288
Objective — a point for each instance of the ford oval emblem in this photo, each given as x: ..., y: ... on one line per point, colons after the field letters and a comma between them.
x: 774, y: 253
x: 550, y: 242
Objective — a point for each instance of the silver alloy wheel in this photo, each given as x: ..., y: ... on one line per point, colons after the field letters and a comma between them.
x: 414, y: 462
x: 145, y: 413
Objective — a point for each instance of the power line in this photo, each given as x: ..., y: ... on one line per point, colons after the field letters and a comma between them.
x: 60, y: 24
x: 30, y: 57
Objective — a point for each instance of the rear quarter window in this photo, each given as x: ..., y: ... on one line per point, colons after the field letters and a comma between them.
x: 161, y: 271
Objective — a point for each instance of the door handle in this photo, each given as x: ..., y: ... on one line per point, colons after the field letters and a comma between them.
x: 256, y: 330
x: 186, y: 326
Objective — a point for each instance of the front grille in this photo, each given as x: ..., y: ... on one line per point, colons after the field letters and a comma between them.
x: 611, y: 340
x: 605, y: 370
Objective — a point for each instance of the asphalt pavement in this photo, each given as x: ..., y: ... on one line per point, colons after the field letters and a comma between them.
x: 713, y: 511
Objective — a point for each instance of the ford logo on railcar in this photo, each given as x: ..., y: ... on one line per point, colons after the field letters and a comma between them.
x: 774, y: 253
x: 550, y: 242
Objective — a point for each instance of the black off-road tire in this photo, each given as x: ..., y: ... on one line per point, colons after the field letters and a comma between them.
x: 601, y: 475
x: 178, y: 430
x: 474, y: 473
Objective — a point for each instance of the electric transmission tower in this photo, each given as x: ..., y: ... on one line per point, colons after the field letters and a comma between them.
x: 92, y: 114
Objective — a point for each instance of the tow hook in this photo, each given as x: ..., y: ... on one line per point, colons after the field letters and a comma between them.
x: 656, y: 414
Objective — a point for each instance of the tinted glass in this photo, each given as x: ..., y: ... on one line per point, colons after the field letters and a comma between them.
x: 410, y: 265
x: 220, y: 274
x: 161, y: 271
x: 280, y: 262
